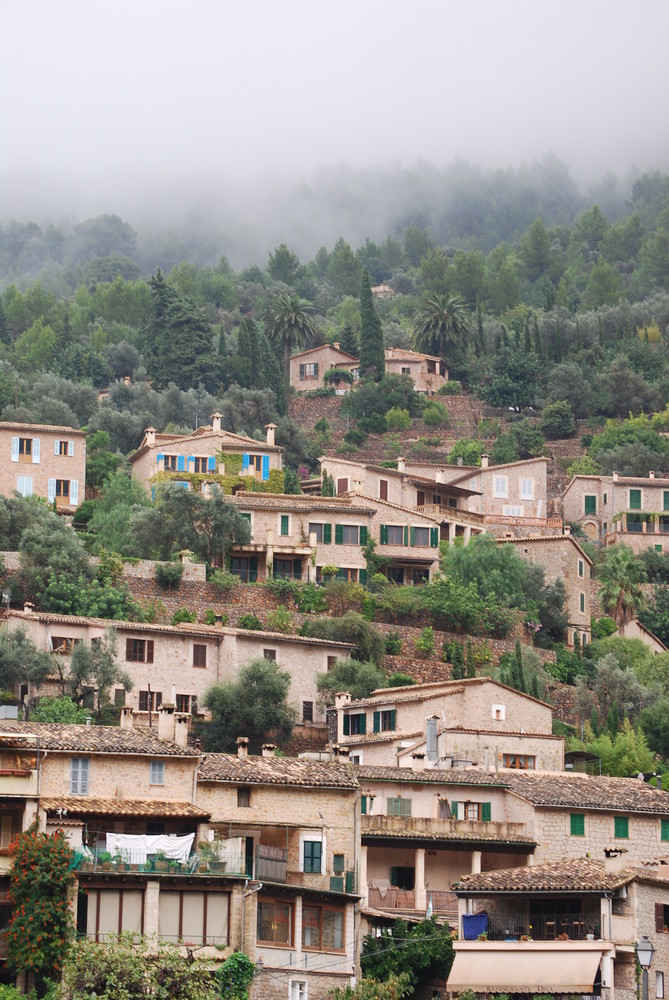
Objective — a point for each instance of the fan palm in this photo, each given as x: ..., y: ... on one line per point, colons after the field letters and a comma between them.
x: 442, y: 323
x: 621, y: 575
x: 289, y: 322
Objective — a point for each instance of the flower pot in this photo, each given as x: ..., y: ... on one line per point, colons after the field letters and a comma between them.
x: 160, y: 866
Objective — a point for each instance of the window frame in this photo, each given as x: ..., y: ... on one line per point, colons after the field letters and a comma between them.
x: 635, y: 493
x: 527, y: 488
x: 576, y: 824
x: 157, y: 772
x: 80, y: 772
x: 500, y: 487
x: 621, y: 828
x: 308, y: 855
x: 322, y: 909
x: 200, y: 654
x: 133, y: 649
x: 590, y: 504
x: 266, y: 902
x: 399, y: 805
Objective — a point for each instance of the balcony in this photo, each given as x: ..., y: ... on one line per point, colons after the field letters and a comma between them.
x: 454, y: 514
x: 231, y: 864
x: 443, y: 901
x: 18, y: 782
x: 518, y: 925
x: 420, y: 827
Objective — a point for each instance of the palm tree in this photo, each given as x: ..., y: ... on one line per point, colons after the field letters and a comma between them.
x: 621, y: 575
x: 442, y: 323
x: 289, y: 321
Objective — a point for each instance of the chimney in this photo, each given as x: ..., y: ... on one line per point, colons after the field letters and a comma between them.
x: 270, y: 428
x: 401, y: 464
x: 126, y: 379
x: 216, y: 422
x: 431, y: 737
x: 440, y: 476
x: 181, y: 728
x: 28, y: 607
x: 342, y: 700
x: 268, y: 749
x: 242, y: 746
x: 651, y: 474
x: 336, y: 345
x: 615, y: 477
x: 567, y: 531
x: 166, y: 722
x: 484, y: 460
x: 418, y: 759
x: 127, y: 717
x: 150, y: 437
x: 344, y: 753
x: 614, y: 860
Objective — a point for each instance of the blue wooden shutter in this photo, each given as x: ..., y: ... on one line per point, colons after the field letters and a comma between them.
x: 181, y: 463
x: 265, y: 467
x: 245, y: 464
x: 211, y: 463
x: 191, y: 461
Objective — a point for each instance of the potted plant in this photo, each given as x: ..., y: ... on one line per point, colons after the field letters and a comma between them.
x: 105, y: 861
x: 160, y: 862
x: 173, y: 866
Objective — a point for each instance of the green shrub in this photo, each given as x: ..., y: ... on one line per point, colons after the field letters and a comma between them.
x: 183, y: 615
x: 224, y: 582
x: 373, y: 424
x: 355, y: 437
x: 425, y: 641
x: 169, y: 574
x: 280, y: 620
x: 210, y: 617
x: 393, y: 644
x: 398, y: 419
x: 311, y: 599
x: 451, y: 388
x: 251, y: 622
x: 284, y: 589
x: 398, y: 680
x: 557, y: 420
x: 436, y: 415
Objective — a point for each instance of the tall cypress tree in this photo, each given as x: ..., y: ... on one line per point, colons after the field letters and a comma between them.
x: 372, y: 357
x: 537, y: 339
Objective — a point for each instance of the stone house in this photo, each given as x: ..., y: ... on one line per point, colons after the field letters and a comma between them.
x: 308, y: 367
x: 563, y: 928
x: 428, y: 372
x: 179, y: 663
x: 628, y: 509
x: 44, y: 461
x: 294, y: 822
x: 208, y: 457
x: 453, y: 724
x: 562, y: 558
x: 633, y: 629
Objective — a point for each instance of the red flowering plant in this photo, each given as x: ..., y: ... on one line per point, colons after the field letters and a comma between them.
x: 41, y: 927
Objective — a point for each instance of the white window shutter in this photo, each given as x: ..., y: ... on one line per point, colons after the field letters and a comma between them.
x: 56, y: 447
x: 15, y: 449
x: 36, y: 450
x: 51, y: 490
x: 70, y: 448
x: 74, y: 491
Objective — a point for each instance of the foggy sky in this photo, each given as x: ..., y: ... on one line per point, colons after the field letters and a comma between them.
x: 108, y: 106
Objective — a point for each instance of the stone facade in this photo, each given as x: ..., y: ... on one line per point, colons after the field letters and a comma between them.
x: 429, y: 373
x: 627, y: 509
x: 308, y: 367
x: 44, y: 461
x: 562, y: 558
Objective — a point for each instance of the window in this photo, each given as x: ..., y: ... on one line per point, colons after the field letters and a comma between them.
x: 659, y: 985
x: 312, y: 855
x: 346, y: 534
x: 635, y: 499
x: 420, y: 536
x: 385, y: 721
x: 284, y: 524
x: 24, y: 485
x: 309, y: 371
x: 658, y: 548
x: 402, y: 876
x: 200, y: 463
x: 184, y: 701
x: 287, y: 569
x: 527, y: 489
x: 420, y: 498
x: 621, y: 827
x: 63, y: 644
x: 406, y: 370
x: 355, y: 724
x: 510, y: 511
x: 244, y: 798
x: 393, y: 534
x: 590, y: 504
x: 157, y: 772
x: 499, y: 713
x: 245, y: 569
x: 661, y: 918
x: 605, y: 499
x: 331, y: 662
x: 501, y: 486
x: 139, y: 650
x: 307, y: 711
x: 577, y: 824
x: 338, y: 864
x: 197, y: 917
x: 269, y: 654
x: 664, y: 829
x: 63, y: 447
x: 521, y: 761
x: 581, y: 568
x: 398, y: 807
x: 170, y: 463
x: 383, y: 489
x: 26, y: 450
x: 323, y: 532
x: 199, y: 654
x: 109, y: 912
x: 322, y: 928
x: 147, y: 703
x: 119, y: 696
x: 581, y: 602
x: 79, y: 771
x: 298, y: 989
x: 342, y: 486
x: 63, y: 489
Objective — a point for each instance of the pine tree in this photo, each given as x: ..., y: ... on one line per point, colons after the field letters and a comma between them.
x: 458, y: 671
x: 327, y: 488
x: 594, y: 722
x: 348, y: 340
x: 372, y: 357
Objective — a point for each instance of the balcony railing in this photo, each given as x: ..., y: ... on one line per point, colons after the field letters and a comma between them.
x: 443, y: 901
x: 560, y: 927
x: 448, y: 829
x: 136, y: 861
x: 17, y: 782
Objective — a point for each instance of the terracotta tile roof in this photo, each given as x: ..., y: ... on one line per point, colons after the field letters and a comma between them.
x: 381, y: 737
x: 331, y: 347
x: 452, y: 776
x: 662, y: 481
x: 420, y: 692
x: 82, y: 805
x: 402, y: 354
x: 91, y: 739
x: 563, y: 790
x: 576, y: 875
x: 505, y: 465
x: 525, y: 539
x: 226, y: 438
x: 276, y: 771
x: 412, y: 512
x: 8, y: 425
x: 283, y: 501
x: 412, y: 477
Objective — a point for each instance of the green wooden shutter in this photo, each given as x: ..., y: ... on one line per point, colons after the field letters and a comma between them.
x: 621, y: 828
x: 406, y: 534
x: 577, y: 824
x: 454, y: 809
x: 316, y: 370
x: 339, y: 534
x: 434, y: 538
x: 363, y: 534
x: 347, y: 725
x: 590, y: 504
x: 485, y: 812
x: 665, y: 500
x: 377, y: 722
x: 383, y: 534
x: 391, y: 727
x: 301, y: 373
x: 413, y: 536
x: 327, y: 534
x: 635, y: 499
x: 284, y: 524
x: 393, y: 875
x: 362, y: 577
x: 363, y: 724
x: 363, y: 805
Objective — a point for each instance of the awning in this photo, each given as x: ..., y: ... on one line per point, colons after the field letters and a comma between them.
x: 526, y: 967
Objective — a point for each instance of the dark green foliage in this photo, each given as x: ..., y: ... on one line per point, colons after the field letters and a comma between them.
x: 654, y: 721
x: 656, y: 565
x: 169, y: 574
x: 356, y: 677
x: 368, y: 643
x: 393, y: 644
x: 235, y: 975
x: 399, y: 679
x: 603, y: 627
x: 101, y: 461
x: 250, y: 621
x: 254, y: 705
x: 557, y: 420
x: 514, y: 378
x: 372, y: 358
x: 61, y: 710
x: 96, y: 667
x: 183, y: 615
x: 289, y: 322
x: 178, y: 339
x: 423, y: 950
x: 21, y: 661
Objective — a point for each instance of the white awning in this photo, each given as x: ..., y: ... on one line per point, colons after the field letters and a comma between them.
x: 526, y: 967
